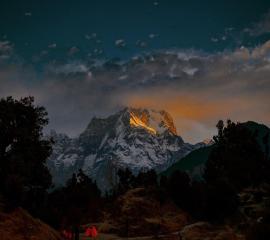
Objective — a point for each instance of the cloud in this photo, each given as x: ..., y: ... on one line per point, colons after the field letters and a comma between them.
x: 190, y: 71
x: 152, y: 35
x: 87, y: 37
x: 197, y: 88
x: 28, y: 14
x: 215, y: 40
x: 260, y: 27
x: 121, y: 43
x: 5, y: 47
x: 97, y: 51
x: 141, y: 44
x: 73, y: 50
x: 53, y: 45
x: 6, y: 50
x: 43, y: 53
x: 68, y: 68
x: 224, y: 38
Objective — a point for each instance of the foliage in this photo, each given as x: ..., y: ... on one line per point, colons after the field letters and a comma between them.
x: 179, y: 185
x: 24, y: 177
x: 127, y: 180
x: 237, y: 158
x: 78, y: 202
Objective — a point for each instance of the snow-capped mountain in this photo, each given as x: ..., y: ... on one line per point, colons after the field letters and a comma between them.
x: 138, y: 139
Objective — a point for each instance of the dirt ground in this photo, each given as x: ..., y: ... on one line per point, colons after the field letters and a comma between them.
x: 103, y: 236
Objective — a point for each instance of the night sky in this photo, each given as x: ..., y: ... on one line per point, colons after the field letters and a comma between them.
x: 199, y: 60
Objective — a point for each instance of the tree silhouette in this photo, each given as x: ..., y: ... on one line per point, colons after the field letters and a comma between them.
x: 78, y: 202
x: 126, y: 180
x: 236, y: 158
x: 179, y: 185
x: 146, y: 179
x: 24, y: 177
x: 266, y: 144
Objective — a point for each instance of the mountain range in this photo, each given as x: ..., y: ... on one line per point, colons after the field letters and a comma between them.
x: 134, y: 138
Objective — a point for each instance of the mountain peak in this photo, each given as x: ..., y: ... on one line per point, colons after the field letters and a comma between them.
x: 154, y: 121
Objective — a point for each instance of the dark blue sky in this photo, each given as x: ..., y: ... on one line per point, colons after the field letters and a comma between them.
x: 205, y: 25
x: 200, y: 60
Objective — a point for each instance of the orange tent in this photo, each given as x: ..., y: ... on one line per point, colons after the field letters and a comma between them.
x: 91, y: 232
x: 94, y: 231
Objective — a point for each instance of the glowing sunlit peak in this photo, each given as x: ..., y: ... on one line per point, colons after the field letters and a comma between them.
x: 136, y: 122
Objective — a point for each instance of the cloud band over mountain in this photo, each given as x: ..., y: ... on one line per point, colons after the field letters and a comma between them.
x: 196, y: 88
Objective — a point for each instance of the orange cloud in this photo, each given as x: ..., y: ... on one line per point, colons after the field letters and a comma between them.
x: 196, y: 114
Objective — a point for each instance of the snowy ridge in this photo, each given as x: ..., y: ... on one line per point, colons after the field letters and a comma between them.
x: 134, y: 138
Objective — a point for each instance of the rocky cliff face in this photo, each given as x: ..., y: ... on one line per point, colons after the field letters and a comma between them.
x: 138, y: 139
